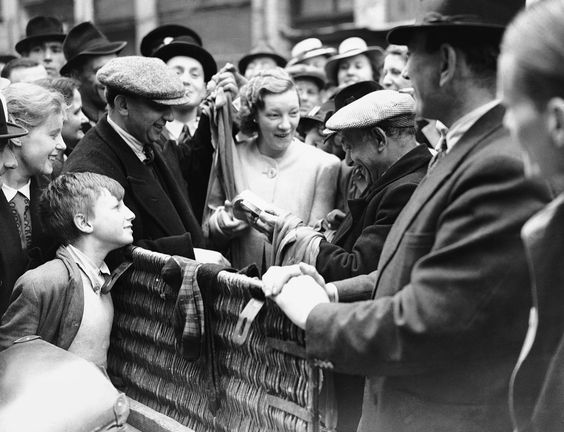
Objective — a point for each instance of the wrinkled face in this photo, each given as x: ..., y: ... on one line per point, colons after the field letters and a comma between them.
x: 191, y: 73
x: 362, y: 150
x: 49, y: 54
x: 38, y: 150
x: 72, y: 131
x: 146, y: 119
x: 8, y: 160
x: 354, y: 69
x: 423, y: 71
x: 310, y: 94
x: 111, y: 221
x: 87, y: 74
x: 27, y: 74
x: 527, y: 125
x: 259, y: 64
x: 392, y: 78
x: 277, y: 122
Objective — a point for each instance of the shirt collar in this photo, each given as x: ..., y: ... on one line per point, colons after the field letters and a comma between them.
x: 10, y: 192
x: 94, y: 274
x: 464, y: 123
x: 130, y: 140
x: 175, y: 127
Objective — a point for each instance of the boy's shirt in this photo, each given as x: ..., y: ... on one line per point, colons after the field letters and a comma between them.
x: 93, y: 337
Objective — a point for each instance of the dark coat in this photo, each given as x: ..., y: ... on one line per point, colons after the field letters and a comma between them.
x: 450, y: 307
x: 358, y: 242
x: 14, y: 261
x: 541, y: 376
x: 164, y: 219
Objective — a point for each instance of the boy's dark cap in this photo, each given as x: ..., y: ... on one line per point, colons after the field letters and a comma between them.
x: 355, y: 91
x: 183, y: 46
x: 39, y: 29
x: 164, y: 35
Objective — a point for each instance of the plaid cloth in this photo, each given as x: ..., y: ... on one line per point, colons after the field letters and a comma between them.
x: 188, y: 316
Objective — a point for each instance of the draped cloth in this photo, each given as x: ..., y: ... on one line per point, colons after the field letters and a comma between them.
x: 293, y: 242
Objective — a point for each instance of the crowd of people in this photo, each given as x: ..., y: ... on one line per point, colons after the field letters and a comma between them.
x: 400, y: 202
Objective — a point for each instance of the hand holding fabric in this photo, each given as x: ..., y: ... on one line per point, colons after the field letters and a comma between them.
x: 228, y: 223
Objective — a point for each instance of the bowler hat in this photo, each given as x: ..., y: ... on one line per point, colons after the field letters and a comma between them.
x: 261, y: 50
x: 85, y: 40
x: 309, y: 48
x: 309, y: 72
x: 164, y: 34
x: 355, y: 91
x: 182, y: 46
x: 39, y: 29
x: 348, y: 48
x: 8, y: 129
x: 490, y: 17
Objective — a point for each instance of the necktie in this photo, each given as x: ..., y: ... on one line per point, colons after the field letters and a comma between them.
x: 441, y: 153
x: 184, y: 135
x: 149, y: 154
x: 19, y: 205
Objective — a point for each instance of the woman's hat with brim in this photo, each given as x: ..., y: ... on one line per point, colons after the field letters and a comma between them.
x: 8, y: 129
x: 38, y: 29
x: 307, y: 72
x: 85, y: 40
x: 182, y: 46
x: 489, y: 17
x: 262, y: 50
x: 165, y: 34
x: 309, y: 48
x: 351, y: 47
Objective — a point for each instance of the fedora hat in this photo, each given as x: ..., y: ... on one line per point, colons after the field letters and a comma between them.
x: 348, y: 48
x: 183, y: 46
x: 85, y: 40
x: 487, y: 16
x: 262, y: 50
x: 7, y: 128
x: 312, y: 73
x: 309, y: 48
x: 39, y: 29
x: 164, y: 34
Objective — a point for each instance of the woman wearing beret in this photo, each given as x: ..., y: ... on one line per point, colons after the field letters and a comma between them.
x: 275, y: 166
x: 532, y: 89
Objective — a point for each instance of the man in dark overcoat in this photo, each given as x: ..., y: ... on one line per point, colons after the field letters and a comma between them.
x: 443, y: 325
x: 140, y: 93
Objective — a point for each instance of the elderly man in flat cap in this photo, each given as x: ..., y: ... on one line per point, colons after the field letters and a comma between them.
x: 442, y: 328
x: 141, y: 92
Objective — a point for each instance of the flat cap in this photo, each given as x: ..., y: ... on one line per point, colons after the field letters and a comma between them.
x: 374, y: 108
x: 146, y: 77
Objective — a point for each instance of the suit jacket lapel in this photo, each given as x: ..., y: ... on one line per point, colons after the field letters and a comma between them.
x: 484, y: 127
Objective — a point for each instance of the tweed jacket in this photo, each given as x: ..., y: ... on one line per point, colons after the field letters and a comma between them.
x: 357, y: 244
x: 164, y: 220
x: 47, y: 301
x: 449, y: 309
x: 14, y: 261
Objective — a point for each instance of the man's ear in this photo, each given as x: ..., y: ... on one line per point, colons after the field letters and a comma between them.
x: 120, y: 103
x: 82, y: 223
x: 449, y: 57
x: 555, y: 112
x: 380, y: 137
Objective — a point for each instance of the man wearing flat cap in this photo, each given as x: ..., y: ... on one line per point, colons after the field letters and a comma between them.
x: 442, y: 328
x: 44, y: 43
x: 141, y: 92
x: 86, y: 50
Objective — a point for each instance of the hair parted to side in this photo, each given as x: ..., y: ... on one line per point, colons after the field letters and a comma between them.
x: 17, y: 63
x: 30, y: 105
x: 271, y: 81
x: 71, y: 194
x: 534, y: 41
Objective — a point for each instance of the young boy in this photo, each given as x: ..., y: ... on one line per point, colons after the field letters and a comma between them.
x: 64, y: 301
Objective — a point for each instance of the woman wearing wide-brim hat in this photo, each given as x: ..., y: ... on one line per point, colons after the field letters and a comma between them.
x: 355, y: 61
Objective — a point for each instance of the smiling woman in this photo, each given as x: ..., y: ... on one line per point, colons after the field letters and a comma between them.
x: 283, y: 171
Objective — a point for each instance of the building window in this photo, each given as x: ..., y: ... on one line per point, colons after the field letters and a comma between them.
x: 321, y: 13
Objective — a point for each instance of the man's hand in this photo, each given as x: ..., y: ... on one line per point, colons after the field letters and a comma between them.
x: 276, y: 277
x: 228, y: 79
x: 298, y: 298
x: 334, y: 219
x: 206, y: 256
x: 230, y: 225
